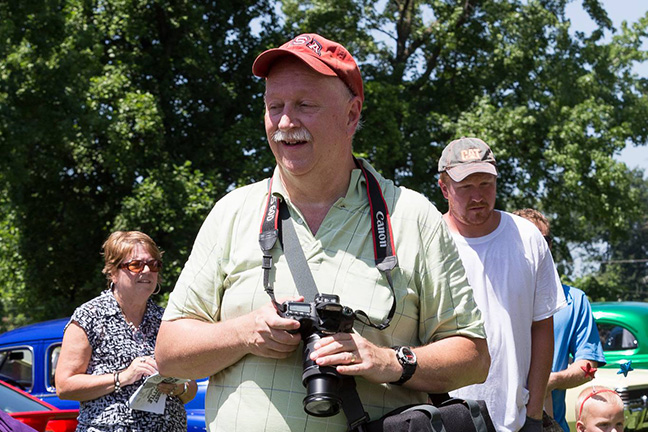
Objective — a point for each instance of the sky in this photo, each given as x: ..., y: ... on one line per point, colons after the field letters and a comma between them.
x: 618, y: 11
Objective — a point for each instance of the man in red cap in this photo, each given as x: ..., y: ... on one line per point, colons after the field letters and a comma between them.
x: 515, y: 283
x: 420, y: 330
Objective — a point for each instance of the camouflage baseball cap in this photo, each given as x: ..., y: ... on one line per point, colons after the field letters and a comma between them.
x: 466, y: 156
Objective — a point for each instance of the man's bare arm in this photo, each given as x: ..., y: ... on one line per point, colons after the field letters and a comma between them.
x: 542, y: 338
x: 443, y: 365
x: 572, y: 376
x: 190, y: 348
x: 451, y: 363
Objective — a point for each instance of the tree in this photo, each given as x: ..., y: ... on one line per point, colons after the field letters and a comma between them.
x: 12, y: 267
x: 139, y: 114
x: 100, y: 101
x: 556, y: 108
x: 623, y: 270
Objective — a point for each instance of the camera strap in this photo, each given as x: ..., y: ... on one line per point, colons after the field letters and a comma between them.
x: 383, y: 240
x: 295, y: 257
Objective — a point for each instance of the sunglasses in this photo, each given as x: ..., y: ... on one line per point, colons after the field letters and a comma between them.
x: 137, y: 266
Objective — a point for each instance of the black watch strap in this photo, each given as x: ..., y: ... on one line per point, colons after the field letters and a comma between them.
x: 407, y: 360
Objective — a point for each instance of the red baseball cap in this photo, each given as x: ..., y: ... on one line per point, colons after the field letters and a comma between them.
x: 322, y: 55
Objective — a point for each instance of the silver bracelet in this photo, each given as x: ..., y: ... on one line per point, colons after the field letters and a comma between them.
x: 184, y: 390
x: 117, y: 384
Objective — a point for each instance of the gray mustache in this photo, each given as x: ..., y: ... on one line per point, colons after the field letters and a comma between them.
x: 291, y: 135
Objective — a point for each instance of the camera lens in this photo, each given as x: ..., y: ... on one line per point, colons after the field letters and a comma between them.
x: 322, y: 384
x: 317, y: 406
x: 322, y: 398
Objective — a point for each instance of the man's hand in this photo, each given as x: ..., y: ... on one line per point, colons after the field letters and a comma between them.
x: 267, y: 334
x: 532, y: 425
x: 355, y: 355
x: 190, y: 348
x: 573, y: 376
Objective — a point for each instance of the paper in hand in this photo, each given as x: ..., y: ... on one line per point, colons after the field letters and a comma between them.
x: 148, y: 397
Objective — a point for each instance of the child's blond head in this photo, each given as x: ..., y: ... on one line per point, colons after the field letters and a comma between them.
x: 599, y: 409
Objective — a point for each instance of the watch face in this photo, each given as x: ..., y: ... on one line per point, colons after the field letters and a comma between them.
x: 410, y: 357
x: 406, y: 355
x: 407, y: 359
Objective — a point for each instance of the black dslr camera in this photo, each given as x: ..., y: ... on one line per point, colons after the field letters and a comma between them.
x: 324, y: 316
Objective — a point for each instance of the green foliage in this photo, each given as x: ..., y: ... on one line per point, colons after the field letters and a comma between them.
x: 623, y: 273
x: 555, y: 107
x: 139, y: 114
x: 99, y: 101
x: 12, y: 267
x: 170, y: 205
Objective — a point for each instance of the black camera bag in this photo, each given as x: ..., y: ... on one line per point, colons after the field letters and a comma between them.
x: 443, y: 414
x: 453, y: 415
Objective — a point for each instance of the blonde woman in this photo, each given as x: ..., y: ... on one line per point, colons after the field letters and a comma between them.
x: 108, y: 344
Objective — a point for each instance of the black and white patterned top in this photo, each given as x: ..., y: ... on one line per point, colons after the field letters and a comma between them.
x: 115, y: 344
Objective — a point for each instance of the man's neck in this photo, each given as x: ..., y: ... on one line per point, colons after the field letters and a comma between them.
x: 314, y: 194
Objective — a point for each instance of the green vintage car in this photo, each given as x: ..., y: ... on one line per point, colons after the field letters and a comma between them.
x: 623, y: 327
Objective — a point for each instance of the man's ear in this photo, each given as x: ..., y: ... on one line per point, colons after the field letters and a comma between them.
x: 353, y: 118
x: 444, y: 189
x: 580, y: 426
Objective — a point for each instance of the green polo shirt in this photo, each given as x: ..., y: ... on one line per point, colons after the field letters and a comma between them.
x: 223, y: 279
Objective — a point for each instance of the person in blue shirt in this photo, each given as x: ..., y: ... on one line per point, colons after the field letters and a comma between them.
x: 575, y: 336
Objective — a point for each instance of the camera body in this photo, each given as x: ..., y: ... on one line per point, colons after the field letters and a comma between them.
x: 324, y: 316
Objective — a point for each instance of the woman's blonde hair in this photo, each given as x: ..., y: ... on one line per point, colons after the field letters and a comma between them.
x: 120, y: 244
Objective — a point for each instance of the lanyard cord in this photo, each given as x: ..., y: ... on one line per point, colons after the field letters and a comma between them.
x: 384, y: 254
x: 267, y: 239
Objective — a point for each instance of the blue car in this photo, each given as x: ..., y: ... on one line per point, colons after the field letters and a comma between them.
x: 28, y: 357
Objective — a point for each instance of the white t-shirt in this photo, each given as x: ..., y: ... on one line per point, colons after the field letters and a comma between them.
x: 515, y: 283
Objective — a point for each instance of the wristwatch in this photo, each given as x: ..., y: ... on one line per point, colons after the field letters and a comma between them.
x: 407, y: 359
